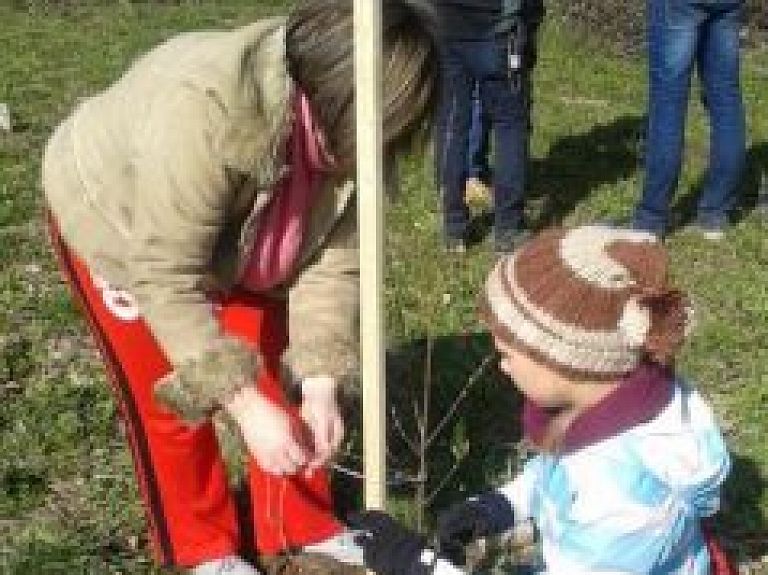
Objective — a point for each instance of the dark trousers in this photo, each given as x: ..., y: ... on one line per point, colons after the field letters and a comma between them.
x: 504, y: 100
x: 479, y: 140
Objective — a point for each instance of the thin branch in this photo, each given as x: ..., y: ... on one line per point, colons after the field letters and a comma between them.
x: 459, y: 398
x: 417, y: 417
x: 448, y: 476
x: 402, y: 433
x: 427, y: 392
x: 423, y: 429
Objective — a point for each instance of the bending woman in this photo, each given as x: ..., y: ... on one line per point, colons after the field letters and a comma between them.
x: 202, y: 211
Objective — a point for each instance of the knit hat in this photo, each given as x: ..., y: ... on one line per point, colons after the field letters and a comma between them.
x: 593, y: 301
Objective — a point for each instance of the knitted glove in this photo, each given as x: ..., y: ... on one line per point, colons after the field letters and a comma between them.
x: 482, y: 516
x: 389, y: 548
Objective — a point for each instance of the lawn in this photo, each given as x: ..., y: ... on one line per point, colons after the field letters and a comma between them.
x: 68, y: 502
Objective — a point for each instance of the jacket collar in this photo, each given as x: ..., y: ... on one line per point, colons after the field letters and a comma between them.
x: 258, y: 112
x: 640, y: 397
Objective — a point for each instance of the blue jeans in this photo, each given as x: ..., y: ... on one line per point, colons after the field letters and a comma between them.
x: 479, y: 140
x: 465, y: 63
x: 681, y: 34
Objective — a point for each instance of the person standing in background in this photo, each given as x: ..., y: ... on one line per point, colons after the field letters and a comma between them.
x: 491, y: 44
x: 683, y: 34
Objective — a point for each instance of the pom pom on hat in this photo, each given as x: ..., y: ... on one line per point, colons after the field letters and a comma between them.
x: 593, y: 300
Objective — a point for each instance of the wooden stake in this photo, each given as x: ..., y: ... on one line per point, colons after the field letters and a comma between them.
x: 370, y: 205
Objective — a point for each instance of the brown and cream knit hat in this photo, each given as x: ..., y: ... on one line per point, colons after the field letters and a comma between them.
x: 593, y: 301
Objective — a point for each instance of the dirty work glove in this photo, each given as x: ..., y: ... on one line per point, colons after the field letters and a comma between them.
x: 488, y: 514
x: 389, y: 548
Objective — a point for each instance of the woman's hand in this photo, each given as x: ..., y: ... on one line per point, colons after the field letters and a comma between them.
x: 270, y: 436
x: 320, y: 411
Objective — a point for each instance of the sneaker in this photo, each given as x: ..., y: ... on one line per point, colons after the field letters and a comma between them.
x: 627, y: 224
x: 660, y: 235
x: 230, y: 565
x: 761, y: 208
x: 341, y: 547
x: 507, y: 241
x: 455, y: 246
x: 710, y: 232
x: 476, y: 192
x: 762, y: 196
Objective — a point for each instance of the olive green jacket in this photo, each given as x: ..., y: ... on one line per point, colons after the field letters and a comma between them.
x: 159, y: 182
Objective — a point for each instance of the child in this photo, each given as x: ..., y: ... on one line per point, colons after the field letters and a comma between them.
x: 630, y: 457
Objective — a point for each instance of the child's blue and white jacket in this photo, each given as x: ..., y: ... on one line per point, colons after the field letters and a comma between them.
x: 631, y: 502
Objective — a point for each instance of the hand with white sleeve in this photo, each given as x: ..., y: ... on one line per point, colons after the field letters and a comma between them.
x: 320, y: 411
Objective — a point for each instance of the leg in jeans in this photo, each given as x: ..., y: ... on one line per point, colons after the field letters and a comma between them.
x: 718, y: 66
x: 505, y: 103
x: 451, y: 138
x: 479, y: 132
x: 672, y: 39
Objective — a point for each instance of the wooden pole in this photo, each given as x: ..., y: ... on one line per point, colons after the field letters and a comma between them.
x: 370, y: 195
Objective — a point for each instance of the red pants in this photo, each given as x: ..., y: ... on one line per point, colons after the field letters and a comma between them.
x: 181, y: 475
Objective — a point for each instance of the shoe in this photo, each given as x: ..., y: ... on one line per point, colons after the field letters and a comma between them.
x: 507, y: 241
x: 710, y: 232
x: 626, y: 224
x: 762, y: 196
x: 301, y: 563
x: 476, y: 192
x: 341, y: 547
x: 761, y: 208
x: 230, y: 565
x: 454, y: 246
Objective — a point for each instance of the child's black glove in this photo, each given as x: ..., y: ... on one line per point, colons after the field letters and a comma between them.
x: 482, y: 516
x: 389, y: 548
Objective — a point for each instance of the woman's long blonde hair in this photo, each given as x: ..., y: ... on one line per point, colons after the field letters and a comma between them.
x: 320, y: 54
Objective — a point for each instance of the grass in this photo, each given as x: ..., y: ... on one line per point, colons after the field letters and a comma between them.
x: 68, y: 502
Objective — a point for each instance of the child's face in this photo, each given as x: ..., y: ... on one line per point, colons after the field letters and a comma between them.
x: 536, y: 381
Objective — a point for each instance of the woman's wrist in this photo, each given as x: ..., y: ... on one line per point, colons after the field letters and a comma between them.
x: 318, y: 386
x: 242, y: 401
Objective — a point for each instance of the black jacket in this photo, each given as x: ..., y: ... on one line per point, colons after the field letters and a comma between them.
x: 480, y: 19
